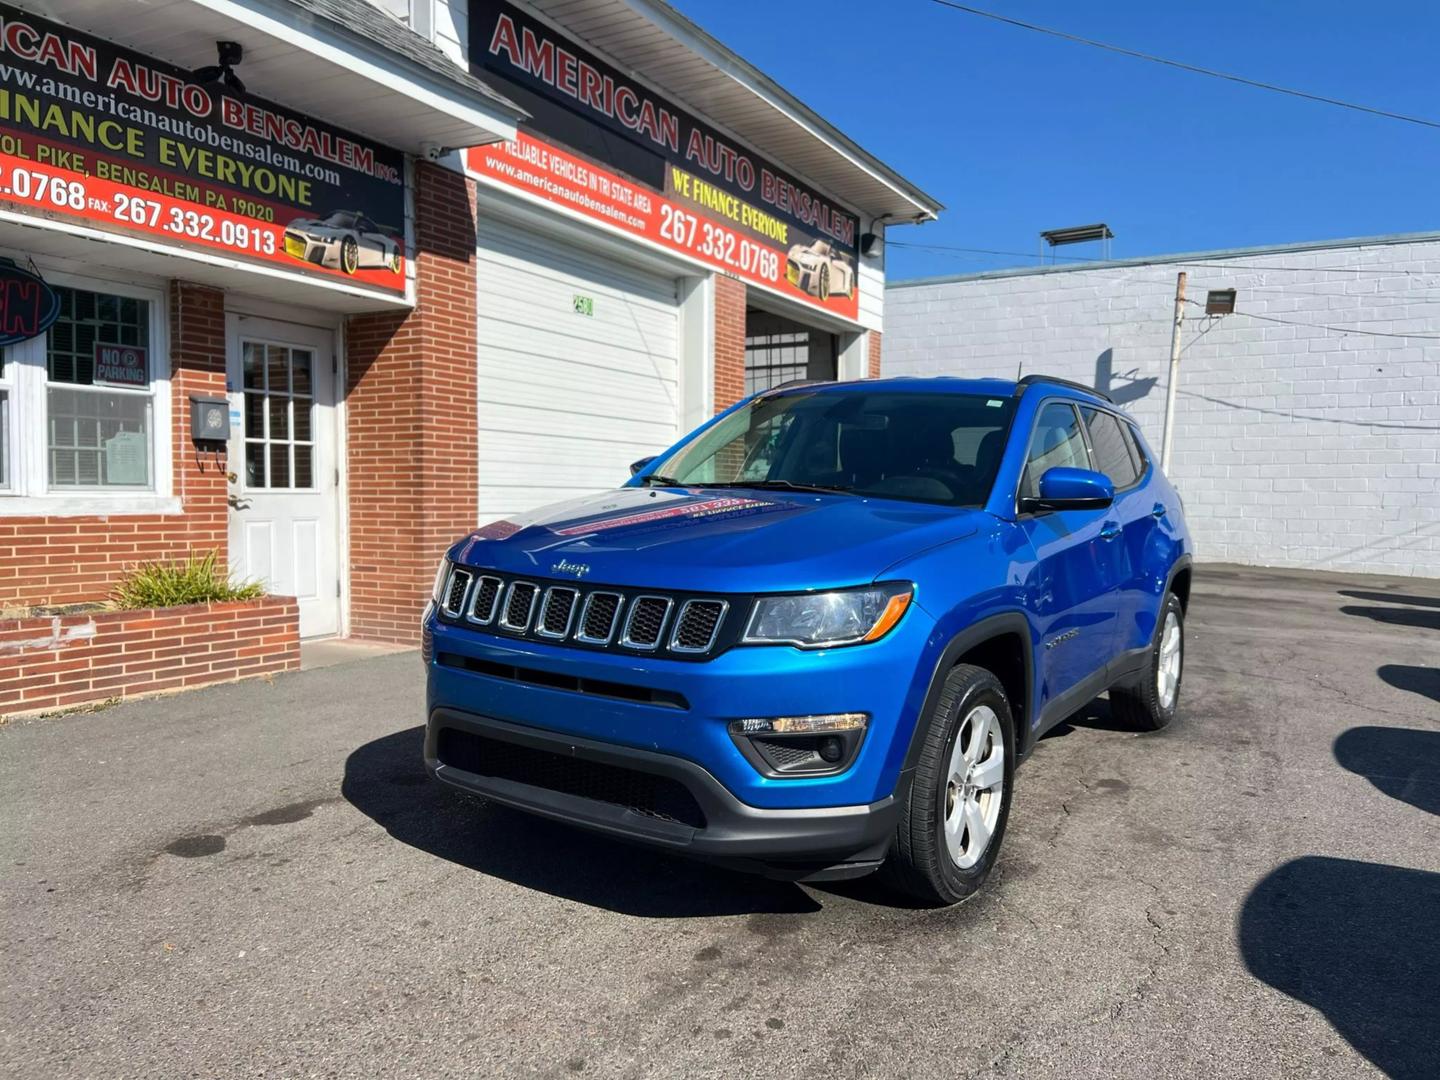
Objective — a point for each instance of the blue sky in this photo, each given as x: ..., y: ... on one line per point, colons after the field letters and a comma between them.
x: 1016, y: 132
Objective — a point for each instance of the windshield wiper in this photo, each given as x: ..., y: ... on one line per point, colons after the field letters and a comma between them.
x: 782, y: 485
x: 656, y: 480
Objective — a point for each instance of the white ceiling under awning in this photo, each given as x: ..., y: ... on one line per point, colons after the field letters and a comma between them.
x: 304, y: 64
x: 667, y: 50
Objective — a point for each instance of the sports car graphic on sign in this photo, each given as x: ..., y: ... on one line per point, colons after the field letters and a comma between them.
x: 815, y: 269
x: 344, y: 240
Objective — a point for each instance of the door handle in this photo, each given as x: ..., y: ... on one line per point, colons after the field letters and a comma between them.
x: 238, y: 502
x: 1110, y: 530
x: 1158, y: 512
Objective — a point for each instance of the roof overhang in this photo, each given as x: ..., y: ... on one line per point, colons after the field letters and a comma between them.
x: 660, y: 46
x: 303, y: 63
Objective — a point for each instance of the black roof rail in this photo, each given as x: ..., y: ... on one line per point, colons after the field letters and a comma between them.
x: 1030, y: 380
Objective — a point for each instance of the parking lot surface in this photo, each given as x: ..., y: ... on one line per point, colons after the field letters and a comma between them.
x: 260, y: 880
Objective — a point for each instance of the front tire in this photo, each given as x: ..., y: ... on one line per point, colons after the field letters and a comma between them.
x: 822, y: 287
x: 1151, y: 704
x: 953, y: 817
x: 349, y: 255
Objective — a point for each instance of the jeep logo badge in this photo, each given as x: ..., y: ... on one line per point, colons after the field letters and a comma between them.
x: 565, y: 566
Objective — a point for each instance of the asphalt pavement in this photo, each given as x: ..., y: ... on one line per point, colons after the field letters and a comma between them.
x: 260, y: 880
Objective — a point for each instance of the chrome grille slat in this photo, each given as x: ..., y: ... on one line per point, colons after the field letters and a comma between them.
x: 557, y: 611
x: 697, y: 625
x: 453, y: 601
x: 599, y: 616
x: 645, y: 626
x: 486, y: 599
x: 519, y: 606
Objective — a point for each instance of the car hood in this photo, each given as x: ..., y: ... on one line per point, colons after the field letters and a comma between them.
x: 721, y: 540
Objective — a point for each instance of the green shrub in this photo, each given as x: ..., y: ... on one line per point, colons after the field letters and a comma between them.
x: 194, y: 581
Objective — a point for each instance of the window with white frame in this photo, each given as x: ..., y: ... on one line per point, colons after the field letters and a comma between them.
x: 83, y: 416
x: 5, y: 452
x: 98, y: 432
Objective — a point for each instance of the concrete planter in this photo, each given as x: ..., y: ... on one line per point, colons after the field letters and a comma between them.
x: 58, y: 661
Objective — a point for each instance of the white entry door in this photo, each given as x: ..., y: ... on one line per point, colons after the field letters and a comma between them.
x: 284, y: 517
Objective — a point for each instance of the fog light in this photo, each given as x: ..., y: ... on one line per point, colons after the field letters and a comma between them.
x: 818, y: 745
x: 801, y: 725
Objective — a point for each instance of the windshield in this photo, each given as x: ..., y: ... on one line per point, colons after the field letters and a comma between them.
x: 935, y: 448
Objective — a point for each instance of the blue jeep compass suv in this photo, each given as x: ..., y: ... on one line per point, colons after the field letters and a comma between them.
x: 817, y: 635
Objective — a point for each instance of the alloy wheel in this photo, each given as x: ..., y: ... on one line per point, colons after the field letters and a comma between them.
x: 1167, y: 670
x: 975, y: 788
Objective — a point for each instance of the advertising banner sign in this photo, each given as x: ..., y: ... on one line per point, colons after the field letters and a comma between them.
x: 125, y: 143
x: 611, y: 149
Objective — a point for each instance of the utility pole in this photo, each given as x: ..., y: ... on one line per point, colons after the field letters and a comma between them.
x: 1174, y: 371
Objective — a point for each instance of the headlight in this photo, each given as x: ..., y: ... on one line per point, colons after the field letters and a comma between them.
x: 823, y: 620
x: 441, y: 573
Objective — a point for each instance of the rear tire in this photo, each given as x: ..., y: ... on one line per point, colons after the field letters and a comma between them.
x: 1151, y: 703
x: 952, y: 819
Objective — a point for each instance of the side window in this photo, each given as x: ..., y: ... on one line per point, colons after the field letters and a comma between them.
x: 1112, y: 451
x: 1132, y: 440
x: 1057, y: 442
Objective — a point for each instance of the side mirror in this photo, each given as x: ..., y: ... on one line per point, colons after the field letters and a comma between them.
x: 637, y: 466
x: 1072, y: 489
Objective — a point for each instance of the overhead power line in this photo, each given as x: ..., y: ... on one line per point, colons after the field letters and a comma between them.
x: 1193, y: 68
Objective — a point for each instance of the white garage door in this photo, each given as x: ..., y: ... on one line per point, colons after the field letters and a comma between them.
x: 568, y: 399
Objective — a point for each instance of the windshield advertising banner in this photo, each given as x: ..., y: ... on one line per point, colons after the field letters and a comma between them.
x: 125, y: 143
x: 609, y: 148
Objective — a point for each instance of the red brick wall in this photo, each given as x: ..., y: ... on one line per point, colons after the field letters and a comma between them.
x: 50, y: 663
x: 729, y: 341
x: 60, y: 560
x: 412, y: 422
x: 873, y: 347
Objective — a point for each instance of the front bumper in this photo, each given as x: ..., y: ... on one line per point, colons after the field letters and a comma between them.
x: 810, y: 844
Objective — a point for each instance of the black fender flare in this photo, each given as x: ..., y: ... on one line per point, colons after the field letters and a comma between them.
x: 977, y: 633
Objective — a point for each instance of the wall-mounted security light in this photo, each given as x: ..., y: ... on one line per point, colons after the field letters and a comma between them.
x: 1220, y: 302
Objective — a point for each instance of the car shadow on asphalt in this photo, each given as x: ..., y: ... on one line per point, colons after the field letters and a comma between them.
x: 1095, y: 716
x: 386, y: 780
x: 1391, y: 597
x: 1404, y: 763
x: 1358, y: 942
x: 1424, y: 681
x: 1423, y: 618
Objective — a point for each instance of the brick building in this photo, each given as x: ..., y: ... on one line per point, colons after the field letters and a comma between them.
x: 321, y: 284
x: 1307, y: 422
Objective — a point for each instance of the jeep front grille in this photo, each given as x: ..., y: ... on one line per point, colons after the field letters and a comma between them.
x: 519, y: 604
x: 597, y: 625
x: 487, y: 598
x: 647, y: 620
x: 454, y: 596
x: 685, y: 627
x: 697, y: 625
x: 555, y: 613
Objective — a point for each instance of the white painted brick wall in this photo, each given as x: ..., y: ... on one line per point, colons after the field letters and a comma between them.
x: 1294, y: 445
